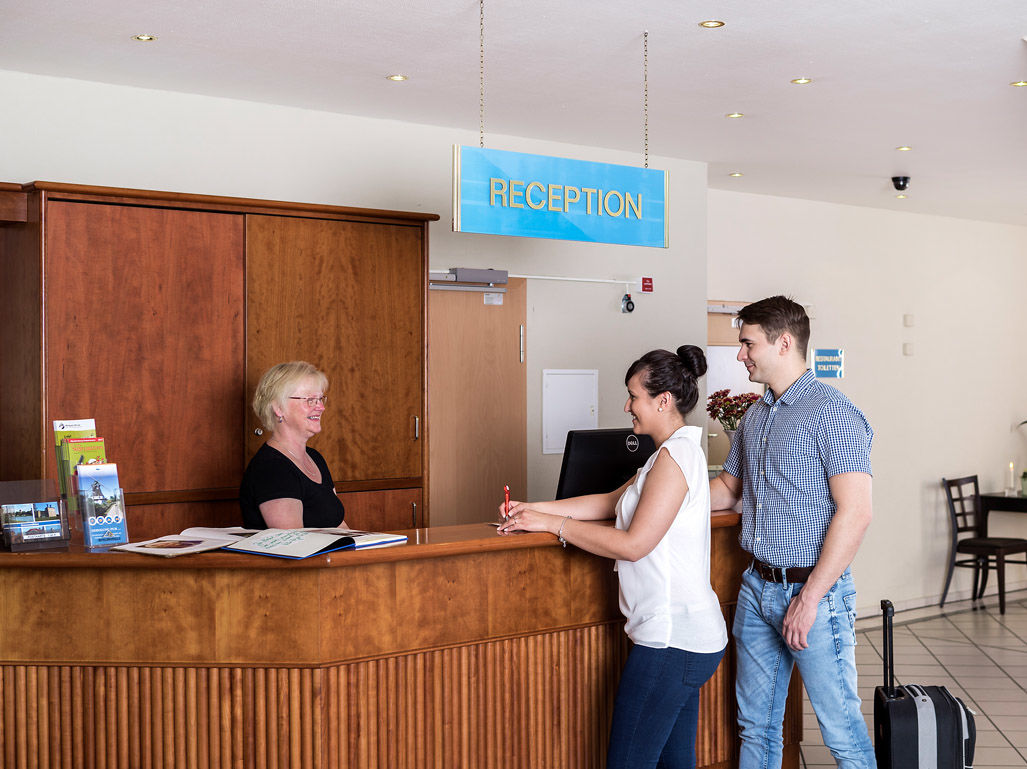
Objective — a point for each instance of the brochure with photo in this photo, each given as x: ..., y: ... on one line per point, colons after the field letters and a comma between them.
x: 194, y: 540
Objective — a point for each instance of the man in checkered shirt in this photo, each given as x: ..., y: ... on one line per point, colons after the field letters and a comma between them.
x: 800, y: 463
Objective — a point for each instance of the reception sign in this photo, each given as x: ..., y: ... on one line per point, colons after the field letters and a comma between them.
x: 497, y: 192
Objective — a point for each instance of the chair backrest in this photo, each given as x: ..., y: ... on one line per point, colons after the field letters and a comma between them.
x: 964, y: 498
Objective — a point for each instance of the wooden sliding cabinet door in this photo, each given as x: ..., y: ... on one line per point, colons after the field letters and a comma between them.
x: 144, y: 332
x: 348, y: 297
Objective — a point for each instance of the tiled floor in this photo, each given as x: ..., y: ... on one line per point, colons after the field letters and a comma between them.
x: 981, y: 656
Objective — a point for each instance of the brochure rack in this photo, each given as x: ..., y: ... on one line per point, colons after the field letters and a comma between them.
x: 103, y: 520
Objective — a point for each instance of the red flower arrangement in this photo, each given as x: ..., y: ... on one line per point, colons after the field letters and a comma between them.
x: 729, y: 409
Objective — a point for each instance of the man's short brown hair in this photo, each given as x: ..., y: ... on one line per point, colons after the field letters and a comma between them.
x: 776, y: 315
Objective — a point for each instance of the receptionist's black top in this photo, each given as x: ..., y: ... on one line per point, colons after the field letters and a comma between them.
x: 272, y: 475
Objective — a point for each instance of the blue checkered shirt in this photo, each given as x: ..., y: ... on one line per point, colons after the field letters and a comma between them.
x: 785, y: 452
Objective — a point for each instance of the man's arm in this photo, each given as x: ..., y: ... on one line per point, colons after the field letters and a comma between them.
x: 852, y: 496
x: 725, y: 491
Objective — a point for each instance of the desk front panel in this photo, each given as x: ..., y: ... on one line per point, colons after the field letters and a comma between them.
x: 469, y: 650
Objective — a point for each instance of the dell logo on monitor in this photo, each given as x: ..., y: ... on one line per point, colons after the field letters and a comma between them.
x: 631, y: 442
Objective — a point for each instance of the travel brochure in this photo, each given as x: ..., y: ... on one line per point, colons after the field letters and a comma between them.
x: 69, y: 429
x: 102, y: 504
x: 282, y: 543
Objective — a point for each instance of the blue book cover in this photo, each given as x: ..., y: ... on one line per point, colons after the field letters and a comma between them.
x: 102, y: 505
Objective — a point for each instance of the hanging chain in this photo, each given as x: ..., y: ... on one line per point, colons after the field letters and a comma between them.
x: 645, y: 92
x: 481, y: 73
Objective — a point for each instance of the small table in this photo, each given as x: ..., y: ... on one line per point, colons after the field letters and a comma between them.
x: 997, y: 500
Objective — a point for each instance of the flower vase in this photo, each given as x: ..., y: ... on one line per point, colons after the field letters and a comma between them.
x: 730, y: 437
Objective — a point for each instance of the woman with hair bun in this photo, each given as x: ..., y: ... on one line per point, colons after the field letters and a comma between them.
x: 661, y: 543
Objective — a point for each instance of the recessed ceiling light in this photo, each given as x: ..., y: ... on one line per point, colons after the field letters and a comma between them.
x: 397, y: 78
x: 1019, y: 83
x: 802, y: 80
x: 711, y: 24
x: 734, y: 114
x: 735, y: 174
x: 903, y: 148
x: 902, y: 196
x: 144, y: 38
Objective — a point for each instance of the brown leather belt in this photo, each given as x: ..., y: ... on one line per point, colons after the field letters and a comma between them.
x: 779, y: 574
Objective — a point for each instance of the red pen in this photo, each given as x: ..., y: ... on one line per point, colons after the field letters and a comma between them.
x: 506, y: 496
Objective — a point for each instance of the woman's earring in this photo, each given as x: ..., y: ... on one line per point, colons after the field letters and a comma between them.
x: 659, y: 408
x: 281, y: 418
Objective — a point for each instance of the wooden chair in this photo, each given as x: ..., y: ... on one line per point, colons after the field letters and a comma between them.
x: 985, y: 553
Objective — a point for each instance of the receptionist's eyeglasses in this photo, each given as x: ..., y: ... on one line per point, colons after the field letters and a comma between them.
x: 311, y: 401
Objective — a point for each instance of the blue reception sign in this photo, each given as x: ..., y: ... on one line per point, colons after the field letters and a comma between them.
x: 512, y: 193
x: 829, y: 364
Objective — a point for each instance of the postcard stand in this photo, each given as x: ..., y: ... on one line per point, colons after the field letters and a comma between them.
x: 34, y: 517
x: 103, y: 521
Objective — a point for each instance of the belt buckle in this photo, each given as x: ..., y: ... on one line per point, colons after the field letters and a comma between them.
x: 778, y: 574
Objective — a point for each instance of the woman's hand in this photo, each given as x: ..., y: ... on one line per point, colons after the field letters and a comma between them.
x: 503, y: 508
x: 522, y: 517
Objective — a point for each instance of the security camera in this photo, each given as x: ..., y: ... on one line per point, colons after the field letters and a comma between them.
x: 626, y: 305
x: 900, y: 182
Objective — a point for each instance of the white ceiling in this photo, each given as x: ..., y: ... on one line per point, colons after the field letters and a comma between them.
x: 932, y: 74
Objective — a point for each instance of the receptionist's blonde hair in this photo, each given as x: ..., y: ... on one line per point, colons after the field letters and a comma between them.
x: 274, y: 387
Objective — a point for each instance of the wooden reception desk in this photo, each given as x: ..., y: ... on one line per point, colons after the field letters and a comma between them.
x: 460, y: 649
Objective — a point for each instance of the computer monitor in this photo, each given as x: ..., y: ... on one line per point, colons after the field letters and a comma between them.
x: 599, y: 461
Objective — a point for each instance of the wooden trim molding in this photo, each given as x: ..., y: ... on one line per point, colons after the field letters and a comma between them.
x: 63, y: 191
x: 13, y: 204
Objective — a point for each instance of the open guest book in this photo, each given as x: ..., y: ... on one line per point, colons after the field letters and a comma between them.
x: 303, y: 543
x: 283, y: 543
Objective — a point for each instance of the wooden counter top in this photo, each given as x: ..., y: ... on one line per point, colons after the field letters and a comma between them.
x: 438, y: 542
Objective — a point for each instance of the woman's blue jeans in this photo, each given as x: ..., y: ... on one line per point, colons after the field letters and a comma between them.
x: 657, y: 708
x: 827, y: 667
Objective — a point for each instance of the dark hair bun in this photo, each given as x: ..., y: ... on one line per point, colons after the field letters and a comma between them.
x: 676, y: 373
x: 693, y: 358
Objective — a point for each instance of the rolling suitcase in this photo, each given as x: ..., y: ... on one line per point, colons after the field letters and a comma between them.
x: 919, y: 727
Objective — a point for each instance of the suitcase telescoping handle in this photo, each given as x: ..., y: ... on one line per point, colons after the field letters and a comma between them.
x: 889, y: 648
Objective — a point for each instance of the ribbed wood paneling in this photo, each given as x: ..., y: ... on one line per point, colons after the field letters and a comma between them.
x: 112, y: 717
x: 537, y: 701
x: 534, y: 701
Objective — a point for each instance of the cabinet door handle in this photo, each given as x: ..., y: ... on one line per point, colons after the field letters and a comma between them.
x: 413, y: 515
x: 417, y: 428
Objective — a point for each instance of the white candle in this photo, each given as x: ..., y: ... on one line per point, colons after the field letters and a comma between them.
x: 1012, y: 481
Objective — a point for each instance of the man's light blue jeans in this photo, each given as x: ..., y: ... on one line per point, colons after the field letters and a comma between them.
x: 827, y: 667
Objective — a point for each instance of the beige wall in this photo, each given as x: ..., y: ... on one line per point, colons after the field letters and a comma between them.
x: 951, y: 408
x: 88, y: 133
